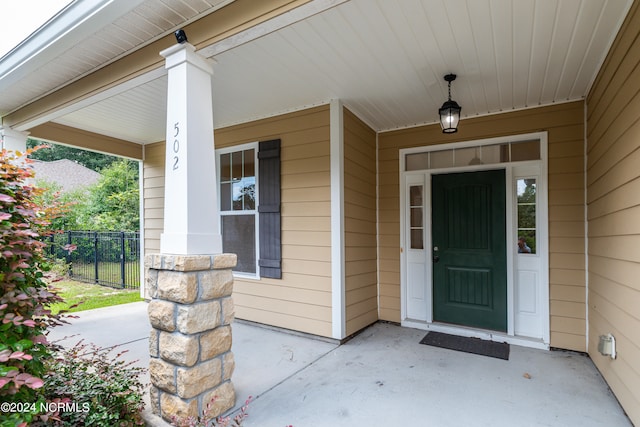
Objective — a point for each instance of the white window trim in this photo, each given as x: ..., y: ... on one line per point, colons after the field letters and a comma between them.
x: 233, y: 149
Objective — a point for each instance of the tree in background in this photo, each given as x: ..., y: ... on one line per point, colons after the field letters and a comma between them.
x: 51, y: 193
x: 113, y: 203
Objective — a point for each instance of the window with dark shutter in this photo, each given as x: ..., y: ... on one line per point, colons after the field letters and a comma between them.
x: 270, y: 258
x: 238, y: 212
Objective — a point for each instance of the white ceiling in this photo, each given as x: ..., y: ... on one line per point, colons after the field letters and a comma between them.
x: 85, y: 36
x: 384, y: 59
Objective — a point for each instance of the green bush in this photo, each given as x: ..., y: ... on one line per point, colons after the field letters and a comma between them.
x: 104, y: 389
x: 59, y: 267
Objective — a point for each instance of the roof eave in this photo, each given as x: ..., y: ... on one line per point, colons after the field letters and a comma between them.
x: 60, y: 33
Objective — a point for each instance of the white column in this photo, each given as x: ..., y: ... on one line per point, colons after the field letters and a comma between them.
x: 338, y: 297
x: 191, y: 216
x: 13, y: 140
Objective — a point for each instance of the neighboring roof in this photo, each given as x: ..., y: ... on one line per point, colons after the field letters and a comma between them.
x: 66, y: 173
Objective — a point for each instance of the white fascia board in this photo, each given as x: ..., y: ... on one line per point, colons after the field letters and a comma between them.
x: 74, y: 23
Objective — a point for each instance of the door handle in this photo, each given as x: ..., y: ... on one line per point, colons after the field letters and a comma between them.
x: 436, y: 258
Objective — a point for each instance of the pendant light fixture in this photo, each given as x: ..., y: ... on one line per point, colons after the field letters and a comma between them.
x: 450, y: 110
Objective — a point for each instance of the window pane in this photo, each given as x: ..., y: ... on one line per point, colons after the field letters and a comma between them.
x: 441, y: 159
x: 249, y: 193
x: 237, y: 196
x: 416, y: 217
x: 529, y: 245
x: 527, y: 216
x: 249, y: 163
x: 528, y: 150
x: 527, y: 190
x: 416, y: 239
x: 416, y: 162
x: 526, y: 194
x: 225, y: 197
x: 225, y: 167
x: 238, y: 237
x: 415, y: 195
x: 244, y: 194
x: 498, y: 153
x: 468, y: 156
x: 236, y: 165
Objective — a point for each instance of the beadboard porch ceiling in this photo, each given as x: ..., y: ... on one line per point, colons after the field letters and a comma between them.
x: 384, y: 59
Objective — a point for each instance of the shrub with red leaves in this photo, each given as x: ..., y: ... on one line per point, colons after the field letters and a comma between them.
x: 24, y: 295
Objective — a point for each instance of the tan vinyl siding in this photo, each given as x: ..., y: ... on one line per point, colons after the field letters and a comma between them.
x: 613, y: 206
x: 567, y: 292
x: 301, y: 300
x: 565, y: 124
x: 361, y: 291
x: 153, y: 197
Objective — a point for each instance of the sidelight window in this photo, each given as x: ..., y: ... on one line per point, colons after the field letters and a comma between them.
x: 417, y: 216
x: 526, y: 191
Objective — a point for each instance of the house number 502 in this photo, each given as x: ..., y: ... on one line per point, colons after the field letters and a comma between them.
x: 176, y: 146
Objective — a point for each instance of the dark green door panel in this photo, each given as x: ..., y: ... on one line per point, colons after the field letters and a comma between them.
x: 470, y: 263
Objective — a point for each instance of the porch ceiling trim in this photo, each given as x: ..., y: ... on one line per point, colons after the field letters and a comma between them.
x: 230, y: 20
x: 87, y: 140
x: 383, y: 60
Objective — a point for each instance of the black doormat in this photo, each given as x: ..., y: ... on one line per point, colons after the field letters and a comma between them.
x: 499, y: 350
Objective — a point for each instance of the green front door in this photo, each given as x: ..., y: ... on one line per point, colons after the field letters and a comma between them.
x: 469, y: 249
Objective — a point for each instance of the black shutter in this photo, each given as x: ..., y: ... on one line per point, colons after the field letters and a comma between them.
x: 269, y: 209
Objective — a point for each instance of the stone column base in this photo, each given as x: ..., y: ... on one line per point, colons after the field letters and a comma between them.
x: 191, y: 311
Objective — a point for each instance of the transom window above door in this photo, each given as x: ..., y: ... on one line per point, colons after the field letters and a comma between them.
x: 470, y: 156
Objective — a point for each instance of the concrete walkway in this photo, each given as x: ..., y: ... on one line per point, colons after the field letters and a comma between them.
x: 384, y: 377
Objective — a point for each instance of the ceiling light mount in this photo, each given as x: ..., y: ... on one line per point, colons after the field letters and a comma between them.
x: 450, y: 110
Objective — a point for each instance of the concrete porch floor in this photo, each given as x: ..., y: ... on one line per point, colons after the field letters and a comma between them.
x: 382, y: 377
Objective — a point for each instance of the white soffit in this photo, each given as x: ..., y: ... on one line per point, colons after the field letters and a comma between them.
x: 86, y: 36
x: 386, y: 61
x: 137, y: 115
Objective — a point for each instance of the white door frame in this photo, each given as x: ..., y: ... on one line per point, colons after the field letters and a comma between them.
x: 408, y: 257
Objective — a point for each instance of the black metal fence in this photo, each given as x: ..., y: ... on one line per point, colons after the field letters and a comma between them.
x: 106, y: 258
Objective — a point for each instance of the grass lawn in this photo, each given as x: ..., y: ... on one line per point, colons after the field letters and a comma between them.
x: 91, y: 296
